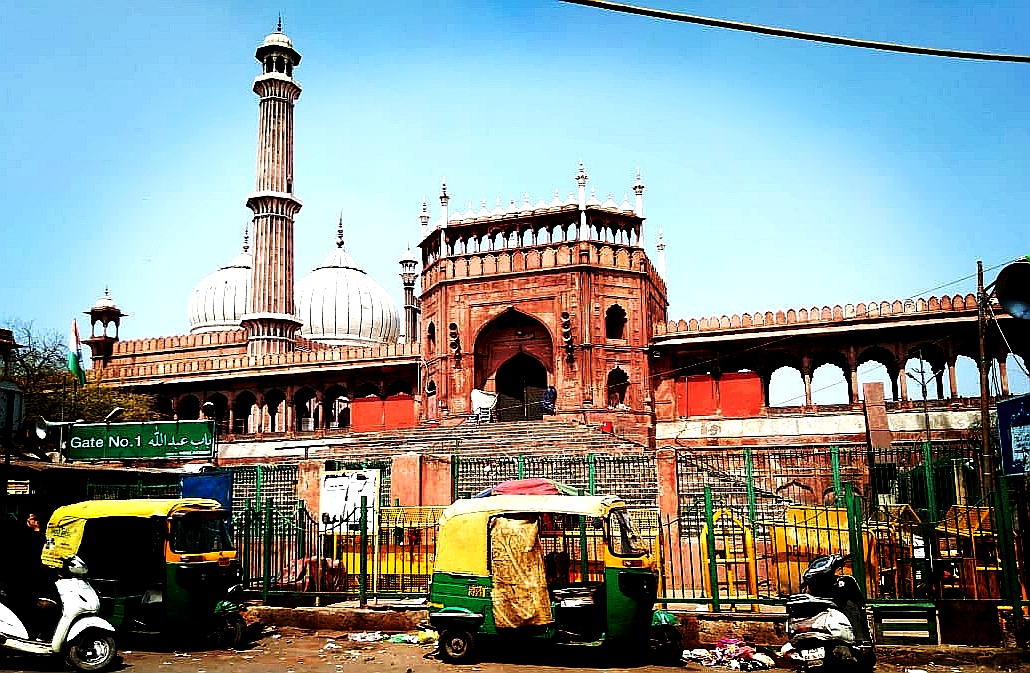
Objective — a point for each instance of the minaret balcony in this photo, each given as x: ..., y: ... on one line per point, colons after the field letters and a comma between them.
x: 274, y: 203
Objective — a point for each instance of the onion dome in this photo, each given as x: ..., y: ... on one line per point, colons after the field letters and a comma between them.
x: 609, y: 204
x: 626, y: 206
x: 483, y: 212
x: 454, y: 217
x: 105, y: 303
x: 512, y: 208
x: 592, y: 201
x: 556, y: 202
x: 498, y: 211
x: 219, y: 301
x: 571, y: 201
x: 341, y: 305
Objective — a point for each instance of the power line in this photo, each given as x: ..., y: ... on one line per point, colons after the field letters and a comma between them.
x: 798, y: 34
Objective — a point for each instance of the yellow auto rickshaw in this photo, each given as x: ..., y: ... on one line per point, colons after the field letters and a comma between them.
x: 161, y: 567
x: 565, y: 569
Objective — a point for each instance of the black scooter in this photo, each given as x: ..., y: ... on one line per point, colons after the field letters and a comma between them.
x: 826, y: 625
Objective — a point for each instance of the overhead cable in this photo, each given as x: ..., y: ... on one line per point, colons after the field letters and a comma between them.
x: 798, y: 34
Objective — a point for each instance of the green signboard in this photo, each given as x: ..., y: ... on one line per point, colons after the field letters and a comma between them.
x: 161, y: 439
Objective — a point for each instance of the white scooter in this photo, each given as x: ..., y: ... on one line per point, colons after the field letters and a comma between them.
x: 84, y: 639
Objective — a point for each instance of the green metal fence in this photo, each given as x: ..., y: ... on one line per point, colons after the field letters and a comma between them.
x: 380, y: 552
x: 914, y: 517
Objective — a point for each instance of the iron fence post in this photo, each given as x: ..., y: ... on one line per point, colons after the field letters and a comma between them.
x: 267, y: 537
x: 592, y: 473
x: 854, y: 509
x: 749, y: 478
x: 247, y: 546
x: 1010, y: 588
x: 584, y: 567
x: 455, y: 463
x: 363, y: 551
x: 838, y: 492
x: 301, y: 551
x: 931, y: 490
x: 520, y: 466
x: 713, y: 569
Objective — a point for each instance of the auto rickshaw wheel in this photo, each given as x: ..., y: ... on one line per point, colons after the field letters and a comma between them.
x: 229, y: 631
x: 666, y: 645
x: 456, y: 645
x: 92, y: 650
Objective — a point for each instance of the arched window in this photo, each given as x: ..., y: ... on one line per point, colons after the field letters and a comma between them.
x: 615, y: 322
x: 618, y: 384
x: 431, y: 339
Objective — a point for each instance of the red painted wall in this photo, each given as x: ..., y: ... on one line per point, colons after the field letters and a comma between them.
x: 740, y: 394
x: 366, y: 413
x: 700, y: 395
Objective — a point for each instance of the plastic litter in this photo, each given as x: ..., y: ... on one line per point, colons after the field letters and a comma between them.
x: 409, y: 638
x: 730, y: 653
x: 365, y: 637
x: 428, y: 637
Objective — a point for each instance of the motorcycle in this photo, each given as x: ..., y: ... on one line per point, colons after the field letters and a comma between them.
x: 826, y: 625
x: 84, y: 639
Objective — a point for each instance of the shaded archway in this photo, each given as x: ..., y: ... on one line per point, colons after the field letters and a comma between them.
x: 188, y: 408
x: 220, y: 412
x: 243, y: 411
x: 510, y: 334
x: 615, y: 322
x: 274, y: 411
x: 336, y: 407
x: 617, y: 386
x: 520, y: 385
x: 305, y: 407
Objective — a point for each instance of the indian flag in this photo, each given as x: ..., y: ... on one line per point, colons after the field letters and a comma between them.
x: 75, y: 355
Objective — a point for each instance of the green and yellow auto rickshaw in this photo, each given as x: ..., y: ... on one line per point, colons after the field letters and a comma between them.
x: 161, y: 567
x: 564, y: 569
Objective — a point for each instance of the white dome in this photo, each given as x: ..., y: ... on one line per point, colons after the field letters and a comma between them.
x: 277, y: 39
x: 339, y: 304
x: 220, y: 300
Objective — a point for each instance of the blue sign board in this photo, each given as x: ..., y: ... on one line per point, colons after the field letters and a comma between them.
x: 1014, y: 430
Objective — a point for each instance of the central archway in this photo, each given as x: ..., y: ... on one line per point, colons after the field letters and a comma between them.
x: 520, y: 385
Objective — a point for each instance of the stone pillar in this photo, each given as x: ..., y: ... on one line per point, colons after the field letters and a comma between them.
x: 668, y: 483
x: 309, y: 485
x: 1003, y: 374
x: 807, y: 376
x: 437, y: 480
x: 878, y: 429
x: 406, y: 480
x: 903, y: 384
x: 952, y: 379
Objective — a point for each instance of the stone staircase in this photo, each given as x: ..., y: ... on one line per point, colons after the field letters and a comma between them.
x: 478, y: 441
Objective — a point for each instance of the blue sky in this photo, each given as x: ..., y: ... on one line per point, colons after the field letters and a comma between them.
x: 784, y: 174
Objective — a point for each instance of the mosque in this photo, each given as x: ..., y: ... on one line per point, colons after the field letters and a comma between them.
x: 556, y: 298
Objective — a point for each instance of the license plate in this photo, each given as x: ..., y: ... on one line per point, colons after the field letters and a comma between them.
x: 814, y: 654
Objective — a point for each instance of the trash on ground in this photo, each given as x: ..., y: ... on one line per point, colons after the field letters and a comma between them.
x: 365, y: 637
x: 331, y: 644
x: 730, y: 653
x: 409, y: 638
x: 427, y: 636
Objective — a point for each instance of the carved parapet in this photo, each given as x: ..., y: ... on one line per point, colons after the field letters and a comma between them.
x: 824, y: 315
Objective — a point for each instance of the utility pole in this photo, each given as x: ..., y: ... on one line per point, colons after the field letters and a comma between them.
x: 922, y: 385
x: 986, y: 455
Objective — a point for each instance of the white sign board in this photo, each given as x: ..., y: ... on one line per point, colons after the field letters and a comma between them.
x: 341, y: 500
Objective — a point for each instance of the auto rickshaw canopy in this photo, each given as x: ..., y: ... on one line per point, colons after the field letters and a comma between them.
x: 461, y: 545
x: 66, y: 526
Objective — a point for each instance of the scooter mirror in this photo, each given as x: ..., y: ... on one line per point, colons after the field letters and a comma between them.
x: 75, y: 566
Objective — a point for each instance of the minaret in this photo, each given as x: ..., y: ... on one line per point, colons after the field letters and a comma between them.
x: 408, y: 275
x: 660, y: 262
x: 270, y: 321
x: 444, y: 199
x: 581, y: 182
x: 638, y: 190
x: 105, y: 313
